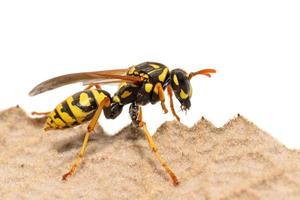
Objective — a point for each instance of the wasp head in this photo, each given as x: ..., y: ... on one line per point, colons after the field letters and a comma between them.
x: 182, y: 87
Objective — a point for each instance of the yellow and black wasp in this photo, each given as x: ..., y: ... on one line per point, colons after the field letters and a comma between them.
x: 139, y: 85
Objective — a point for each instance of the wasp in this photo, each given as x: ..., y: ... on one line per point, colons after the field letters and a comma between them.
x: 138, y: 85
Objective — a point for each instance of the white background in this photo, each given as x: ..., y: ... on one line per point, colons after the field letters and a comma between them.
x: 254, y: 45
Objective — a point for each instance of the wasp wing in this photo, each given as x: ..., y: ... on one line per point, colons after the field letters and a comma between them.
x: 116, y: 75
x: 103, y: 81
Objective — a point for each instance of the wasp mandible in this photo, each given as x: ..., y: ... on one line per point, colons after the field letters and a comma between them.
x: 139, y: 85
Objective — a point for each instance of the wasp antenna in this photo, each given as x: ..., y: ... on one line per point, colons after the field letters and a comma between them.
x: 206, y: 72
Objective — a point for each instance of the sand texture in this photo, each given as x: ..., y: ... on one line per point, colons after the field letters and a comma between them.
x: 237, y: 161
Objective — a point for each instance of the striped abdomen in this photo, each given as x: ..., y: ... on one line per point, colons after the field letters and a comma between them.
x: 76, y: 109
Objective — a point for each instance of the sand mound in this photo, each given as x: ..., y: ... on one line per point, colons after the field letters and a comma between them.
x: 237, y: 161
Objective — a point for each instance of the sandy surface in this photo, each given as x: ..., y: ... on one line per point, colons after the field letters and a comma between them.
x: 237, y: 161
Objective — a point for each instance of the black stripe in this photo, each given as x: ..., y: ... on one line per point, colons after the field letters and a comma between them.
x: 76, y: 102
x: 65, y: 108
x: 57, y: 115
x: 89, y: 116
x: 93, y: 99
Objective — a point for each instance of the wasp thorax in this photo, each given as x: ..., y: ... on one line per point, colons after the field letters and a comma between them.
x: 182, y: 88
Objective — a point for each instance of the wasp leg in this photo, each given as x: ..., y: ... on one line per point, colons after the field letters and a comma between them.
x: 170, y: 93
x: 97, y: 86
x: 90, y: 129
x: 160, y: 91
x: 154, y: 149
x: 134, y: 112
x: 44, y: 114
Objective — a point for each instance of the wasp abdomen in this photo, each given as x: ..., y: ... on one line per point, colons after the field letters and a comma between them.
x: 76, y: 109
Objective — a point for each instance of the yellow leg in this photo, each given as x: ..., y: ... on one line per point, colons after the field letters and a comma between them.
x: 160, y: 92
x: 170, y: 93
x: 155, y: 150
x: 40, y: 113
x: 90, y: 128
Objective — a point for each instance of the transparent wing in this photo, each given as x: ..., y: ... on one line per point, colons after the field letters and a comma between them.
x: 114, y: 76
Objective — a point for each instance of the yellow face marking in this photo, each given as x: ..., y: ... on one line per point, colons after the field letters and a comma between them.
x: 126, y: 94
x: 148, y: 87
x: 155, y: 66
x: 183, y: 95
x: 163, y: 75
x: 175, y: 80
x: 84, y: 99
x: 64, y: 115
x: 131, y: 70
